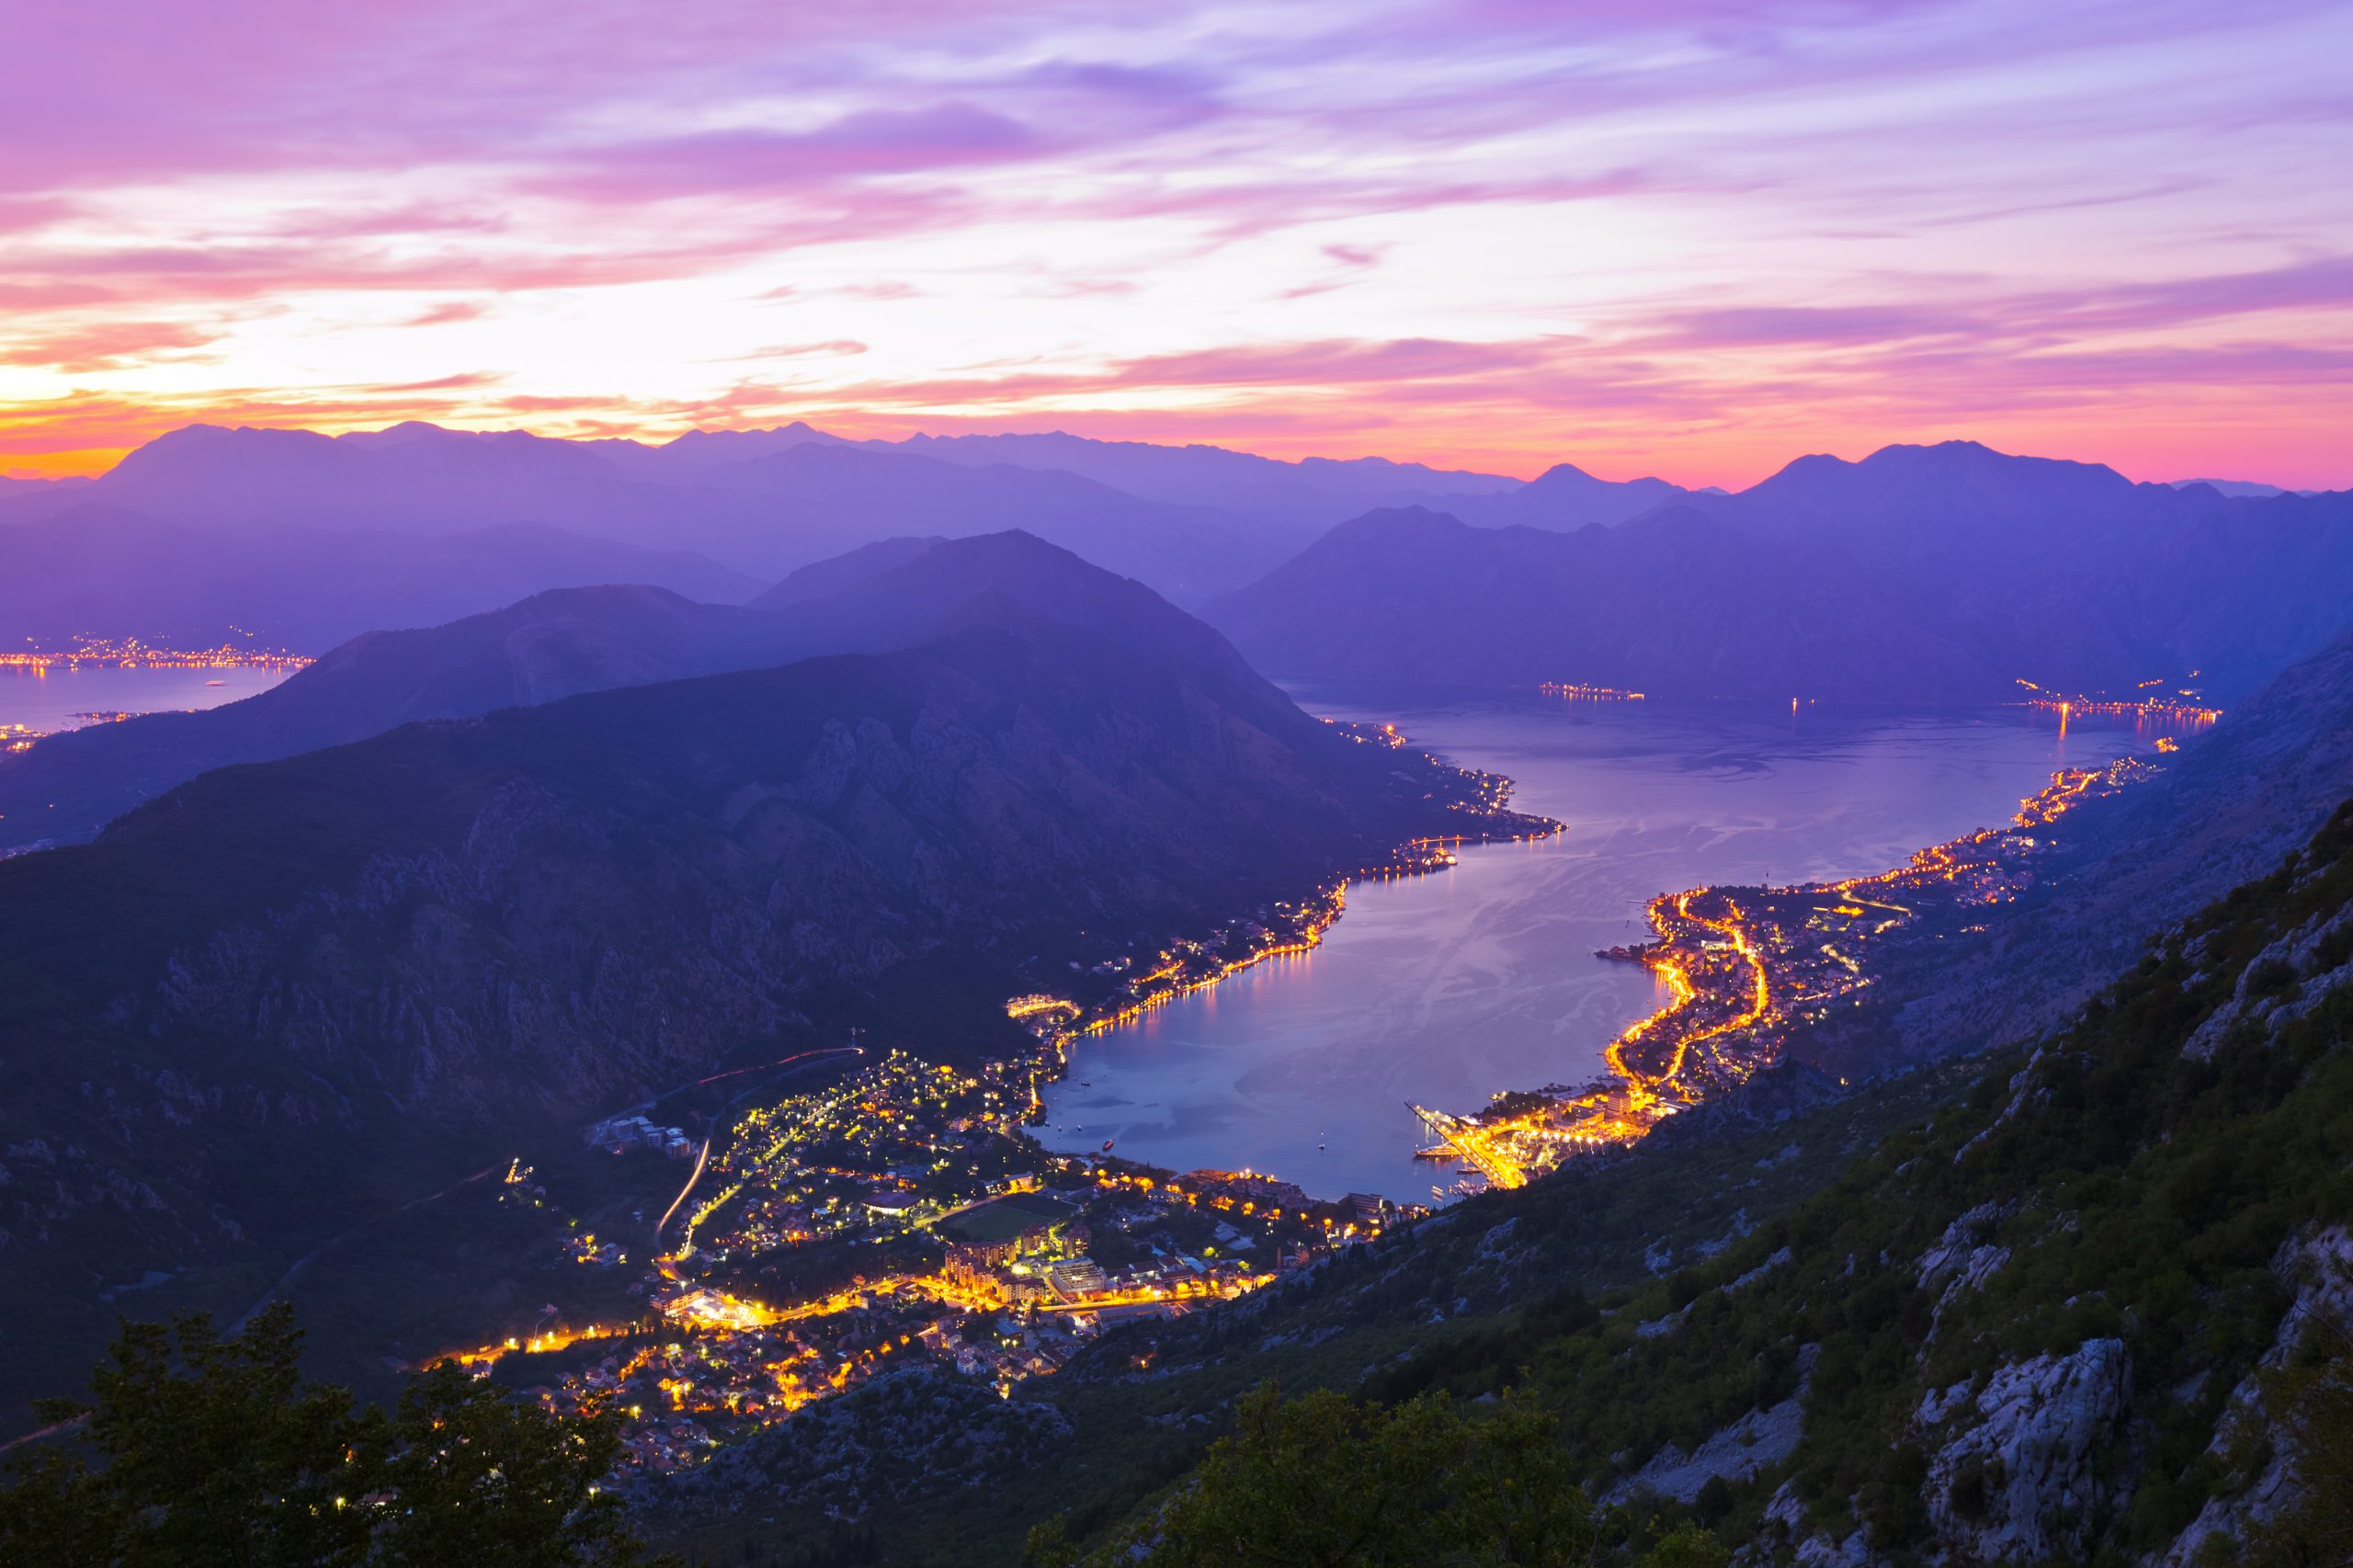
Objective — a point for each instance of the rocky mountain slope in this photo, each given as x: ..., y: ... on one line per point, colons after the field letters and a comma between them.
x: 1942, y: 573
x: 2091, y: 1302
x: 287, y: 995
x: 2226, y: 811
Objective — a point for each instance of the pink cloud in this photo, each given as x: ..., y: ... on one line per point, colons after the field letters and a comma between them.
x: 832, y: 348
x: 445, y: 314
x: 107, y: 346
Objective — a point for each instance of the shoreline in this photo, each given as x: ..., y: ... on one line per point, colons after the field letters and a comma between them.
x: 1185, y: 966
x: 1750, y: 966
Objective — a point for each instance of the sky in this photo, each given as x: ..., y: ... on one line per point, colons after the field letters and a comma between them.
x: 1694, y: 239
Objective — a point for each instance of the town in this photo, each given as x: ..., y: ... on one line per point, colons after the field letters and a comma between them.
x: 132, y: 654
x: 904, y: 1211
x: 900, y: 1212
x: 1742, y: 968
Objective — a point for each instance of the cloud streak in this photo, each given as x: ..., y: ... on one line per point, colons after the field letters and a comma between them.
x: 1455, y: 229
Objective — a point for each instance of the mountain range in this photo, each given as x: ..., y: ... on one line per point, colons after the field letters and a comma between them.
x: 887, y: 597
x: 2078, y: 1287
x: 1921, y: 574
x: 287, y: 995
x: 1190, y: 521
x: 96, y: 569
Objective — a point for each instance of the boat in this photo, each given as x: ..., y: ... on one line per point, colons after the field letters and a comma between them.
x: 216, y: 683
x: 1107, y: 1145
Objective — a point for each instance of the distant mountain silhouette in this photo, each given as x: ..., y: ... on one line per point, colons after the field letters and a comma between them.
x: 825, y: 498
x: 1305, y: 497
x: 1922, y: 573
x: 1563, y: 498
x: 759, y: 502
x: 556, y: 644
x: 2241, y: 487
x: 99, y: 569
x: 836, y: 572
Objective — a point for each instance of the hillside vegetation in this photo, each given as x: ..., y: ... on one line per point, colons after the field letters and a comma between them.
x: 2081, y: 1303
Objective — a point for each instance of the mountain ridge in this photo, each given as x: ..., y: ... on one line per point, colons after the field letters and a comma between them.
x: 1943, y: 574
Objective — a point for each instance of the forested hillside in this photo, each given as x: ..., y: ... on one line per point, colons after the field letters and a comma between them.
x: 2082, y: 1303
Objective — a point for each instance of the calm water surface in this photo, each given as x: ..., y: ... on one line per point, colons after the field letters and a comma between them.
x: 48, y: 700
x: 1445, y: 989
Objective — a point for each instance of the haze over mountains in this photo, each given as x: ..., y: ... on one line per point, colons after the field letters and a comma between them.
x: 1918, y: 574
x: 567, y: 641
x: 1921, y: 574
x: 99, y: 570
x: 717, y: 512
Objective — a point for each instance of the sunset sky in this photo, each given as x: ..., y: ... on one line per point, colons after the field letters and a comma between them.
x: 1689, y: 239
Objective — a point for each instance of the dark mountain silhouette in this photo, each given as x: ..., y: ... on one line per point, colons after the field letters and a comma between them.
x: 831, y: 576
x: 13, y: 488
x: 2241, y: 487
x: 569, y: 641
x: 553, y: 644
x: 99, y: 570
x: 826, y: 498
x: 289, y: 995
x: 1921, y: 574
x: 1306, y: 497
x: 761, y: 502
x: 1563, y: 498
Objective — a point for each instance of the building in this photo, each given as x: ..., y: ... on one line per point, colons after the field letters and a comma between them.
x: 1073, y: 1278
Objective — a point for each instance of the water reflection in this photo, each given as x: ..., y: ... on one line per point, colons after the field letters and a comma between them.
x: 1448, y: 988
x: 50, y: 700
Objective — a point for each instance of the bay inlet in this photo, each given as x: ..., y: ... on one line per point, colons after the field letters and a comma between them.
x: 1445, y: 989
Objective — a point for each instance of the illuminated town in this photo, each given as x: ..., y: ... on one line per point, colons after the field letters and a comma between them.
x: 131, y: 653
x: 1583, y: 693
x: 898, y: 1214
x: 2169, y: 704
x: 903, y: 1212
x: 1743, y: 967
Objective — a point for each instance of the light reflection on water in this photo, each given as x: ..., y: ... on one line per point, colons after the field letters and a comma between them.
x: 1446, y: 989
x: 47, y: 699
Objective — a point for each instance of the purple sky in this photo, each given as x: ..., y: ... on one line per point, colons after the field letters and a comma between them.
x: 1686, y: 238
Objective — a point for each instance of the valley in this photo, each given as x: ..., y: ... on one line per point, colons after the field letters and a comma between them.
x: 1177, y: 786
x: 904, y: 1215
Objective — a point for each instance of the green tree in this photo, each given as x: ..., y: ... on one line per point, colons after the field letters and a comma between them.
x: 1686, y: 1546
x: 2314, y: 1398
x: 217, y: 1454
x: 479, y: 1477
x: 1325, y: 1482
